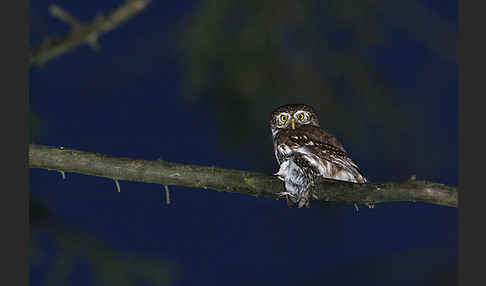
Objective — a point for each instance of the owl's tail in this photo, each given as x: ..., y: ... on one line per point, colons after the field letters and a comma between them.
x: 298, y: 181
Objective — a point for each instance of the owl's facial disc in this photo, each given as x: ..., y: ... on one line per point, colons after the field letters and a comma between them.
x: 292, y: 117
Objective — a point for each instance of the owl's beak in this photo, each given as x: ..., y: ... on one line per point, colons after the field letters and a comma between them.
x: 292, y: 123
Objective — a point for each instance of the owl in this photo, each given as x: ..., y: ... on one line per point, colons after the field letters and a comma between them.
x: 305, y: 152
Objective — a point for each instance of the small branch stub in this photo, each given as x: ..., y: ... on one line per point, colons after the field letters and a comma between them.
x: 117, y: 185
x: 167, y: 195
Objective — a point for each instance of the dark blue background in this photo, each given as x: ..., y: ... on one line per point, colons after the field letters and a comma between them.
x: 123, y: 101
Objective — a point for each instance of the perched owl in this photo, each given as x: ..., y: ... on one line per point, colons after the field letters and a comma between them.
x: 305, y: 151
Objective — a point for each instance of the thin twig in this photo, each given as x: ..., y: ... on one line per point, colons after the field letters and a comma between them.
x: 167, y: 195
x: 117, y: 185
x: 83, y: 33
x: 64, y: 16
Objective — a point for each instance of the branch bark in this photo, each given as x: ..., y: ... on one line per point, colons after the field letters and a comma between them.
x: 87, y: 33
x: 234, y: 181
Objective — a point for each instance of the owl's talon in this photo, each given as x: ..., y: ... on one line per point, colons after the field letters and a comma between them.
x: 282, y: 194
x: 285, y: 194
x: 279, y: 176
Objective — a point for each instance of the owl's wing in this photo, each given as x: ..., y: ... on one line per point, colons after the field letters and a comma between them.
x: 317, y: 134
x: 332, y: 160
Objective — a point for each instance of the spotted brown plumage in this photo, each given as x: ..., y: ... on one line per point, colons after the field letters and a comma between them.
x: 305, y: 151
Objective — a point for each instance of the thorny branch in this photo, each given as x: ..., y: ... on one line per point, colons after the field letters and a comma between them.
x: 83, y: 33
x: 234, y: 181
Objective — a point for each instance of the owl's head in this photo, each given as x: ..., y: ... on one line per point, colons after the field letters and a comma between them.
x: 292, y: 116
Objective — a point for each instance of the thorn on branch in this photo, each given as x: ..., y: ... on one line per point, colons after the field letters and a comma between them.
x: 167, y: 195
x: 117, y: 185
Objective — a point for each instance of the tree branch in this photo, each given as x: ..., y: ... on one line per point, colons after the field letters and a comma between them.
x: 234, y: 181
x: 87, y: 33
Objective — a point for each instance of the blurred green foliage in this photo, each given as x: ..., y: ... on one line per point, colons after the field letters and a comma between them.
x: 248, y: 57
x: 109, y: 267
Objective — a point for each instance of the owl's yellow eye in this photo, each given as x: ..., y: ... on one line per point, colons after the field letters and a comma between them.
x: 283, y: 117
x: 300, y: 116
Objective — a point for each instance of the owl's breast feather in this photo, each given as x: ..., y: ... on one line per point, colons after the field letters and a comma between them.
x: 284, y: 149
